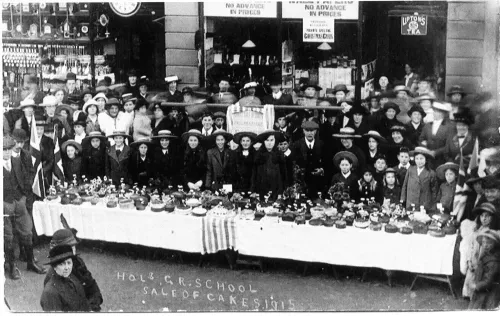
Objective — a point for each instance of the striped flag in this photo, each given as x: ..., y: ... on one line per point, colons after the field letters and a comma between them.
x: 474, y: 160
x: 460, y: 192
x: 58, y: 173
x: 36, y: 159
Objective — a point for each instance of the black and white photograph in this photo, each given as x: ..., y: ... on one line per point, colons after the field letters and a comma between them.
x: 251, y: 156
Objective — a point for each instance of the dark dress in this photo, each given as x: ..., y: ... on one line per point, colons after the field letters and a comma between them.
x: 64, y: 295
x: 413, y: 134
x: 384, y: 127
x: 194, y: 166
x: 365, y: 190
x: 269, y: 172
x: 392, y: 151
x: 393, y: 194
x: 349, y: 182
x: 140, y: 171
x: 242, y: 181
x: 94, y: 162
x: 166, y: 166
x: 80, y: 271
x: 72, y: 167
x: 164, y: 124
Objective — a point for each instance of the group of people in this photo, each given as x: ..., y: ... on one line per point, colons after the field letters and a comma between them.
x: 391, y: 148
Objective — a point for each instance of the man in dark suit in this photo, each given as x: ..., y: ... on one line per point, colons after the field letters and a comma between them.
x: 461, y: 143
x: 435, y: 134
x: 308, y: 153
x: 277, y: 97
x: 17, y: 181
x: 224, y: 96
x: 46, y: 151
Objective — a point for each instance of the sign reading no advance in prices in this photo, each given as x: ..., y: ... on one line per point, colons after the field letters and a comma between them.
x: 254, y: 9
x: 339, y: 10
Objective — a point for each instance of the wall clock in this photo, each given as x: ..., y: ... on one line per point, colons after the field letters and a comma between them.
x: 125, y: 9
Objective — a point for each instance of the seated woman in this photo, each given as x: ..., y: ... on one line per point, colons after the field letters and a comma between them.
x: 367, y: 188
x: 269, y: 166
x: 244, y: 157
x: 194, y: 168
x: 72, y: 162
x: 63, y: 292
x: 166, y: 160
x: 346, y: 162
x: 141, y: 166
x: 220, y: 166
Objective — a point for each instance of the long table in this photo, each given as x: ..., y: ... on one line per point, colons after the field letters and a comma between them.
x: 286, y: 240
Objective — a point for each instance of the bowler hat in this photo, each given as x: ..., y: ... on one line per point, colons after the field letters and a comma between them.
x: 345, y: 154
x: 265, y: 135
x: 191, y: 132
x: 375, y: 135
x: 139, y: 142
x: 59, y: 254
x: 416, y: 108
x: 441, y: 170
x: 8, y: 142
x: 340, y: 87
x: 238, y: 136
x: 227, y: 136
x: 63, y: 237
x: 19, y: 135
x: 456, y: 89
x: 70, y: 76
x: 485, y: 207
x: 164, y: 134
x: 73, y: 143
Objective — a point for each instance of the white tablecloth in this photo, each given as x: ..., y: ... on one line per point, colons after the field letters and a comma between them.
x: 162, y: 230
x: 351, y: 246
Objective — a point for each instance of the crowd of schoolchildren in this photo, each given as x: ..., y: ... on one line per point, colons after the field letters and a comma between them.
x: 398, y: 145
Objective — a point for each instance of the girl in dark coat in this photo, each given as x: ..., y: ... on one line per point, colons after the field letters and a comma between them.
x: 63, y: 292
x: 194, y: 169
x: 72, y: 162
x: 117, y: 159
x: 392, y: 189
x: 346, y: 162
x: 269, y: 166
x: 220, y: 165
x: 166, y: 160
x: 367, y: 188
x: 94, y: 156
x: 244, y: 157
x: 486, y: 285
x: 141, y: 163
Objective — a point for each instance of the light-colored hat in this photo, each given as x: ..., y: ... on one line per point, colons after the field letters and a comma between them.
x: 443, y: 106
x: 375, y: 135
x: 96, y: 134
x: 170, y: 79
x: 347, y: 132
x: 192, y: 132
x: 101, y: 95
x: 27, y: 103
x: 440, y: 171
x: 89, y: 103
x: 139, y: 142
x: 422, y: 150
x: 164, y: 134
x: 249, y: 85
x: 49, y: 100
x: 118, y: 133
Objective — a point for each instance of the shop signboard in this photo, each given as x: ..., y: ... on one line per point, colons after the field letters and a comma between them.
x: 414, y: 24
x: 241, y: 9
x: 247, y: 121
x: 338, y: 10
x: 318, y: 30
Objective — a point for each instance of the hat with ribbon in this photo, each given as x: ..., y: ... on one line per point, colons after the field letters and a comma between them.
x: 73, y: 143
x: 345, y: 155
x: 192, y: 132
x: 426, y: 96
x: 347, y: 132
x: 441, y: 170
x: 227, y: 136
x: 164, y: 134
x: 59, y: 254
x: 64, y: 107
x: 89, y: 103
x: 95, y: 134
x: 119, y: 133
x: 423, y: 151
x: 375, y: 135
x: 63, y: 237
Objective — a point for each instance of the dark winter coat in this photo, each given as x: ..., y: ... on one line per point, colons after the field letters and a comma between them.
x: 349, y: 182
x: 269, y: 172
x: 453, y: 149
x: 412, y: 134
x: 64, y: 295
x: 195, y: 167
x: 94, y: 161
x: 310, y: 160
x: 393, y: 194
x: 140, y: 171
x: 437, y: 142
x: 80, y: 271
x: 219, y: 169
x: 117, y: 166
x: 362, y: 189
x: 166, y: 166
x: 47, y: 151
x: 486, y: 296
x: 72, y: 167
x: 242, y: 177
x: 420, y: 189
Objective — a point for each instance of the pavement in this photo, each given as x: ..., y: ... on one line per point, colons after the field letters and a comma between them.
x: 132, y: 283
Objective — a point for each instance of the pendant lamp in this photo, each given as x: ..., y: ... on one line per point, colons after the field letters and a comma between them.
x: 249, y: 43
x: 324, y: 46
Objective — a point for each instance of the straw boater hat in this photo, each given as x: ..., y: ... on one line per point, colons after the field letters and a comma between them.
x: 390, y: 170
x: 128, y: 97
x: 422, y: 150
x: 59, y: 254
x: 443, y: 106
x: 251, y: 84
x: 402, y: 88
x: 170, y: 79
x: 391, y: 105
x: 164, y: 134
x: 119, y: 133
x: 347, y: 132
x: 65, y: 107
x: 265, y: 135
x: 375, y: 135
x: 227, y: 136
x: 89, y: 103
x: 485, y: 207
x: 139, y: 142
x: 27, y: 103
x: 49, y: 100
x: 73, y: 143
x: 345, y: 154
x: 95, y: 134
x: 416, y: 108
x: 456, y: 89
x: 192, y: 132
x: 440, y: 171
x: 426, y: 96
x: 219, y: 114
x: 238, y: 136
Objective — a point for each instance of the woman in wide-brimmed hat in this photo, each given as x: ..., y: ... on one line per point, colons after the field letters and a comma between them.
x: 220, y: 162
x: 374, y: 145
x: 347, y: 136
x: 420, y: 186
x: 456, y: 94
x: 425, y: 101
x: 141, y: 167
x: 269, y: 173
x: 397, y: 140
x: 72, y: 162
x: 94, y: 155
x: 167, y: 160
x: 390, y: 110
x: 346, y: 162
x: 194, y: 169
x: 244, y: 157
x: 91, y: 109
x: 64, y: 292
x: 462, y: 143
x: 101, y: 100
